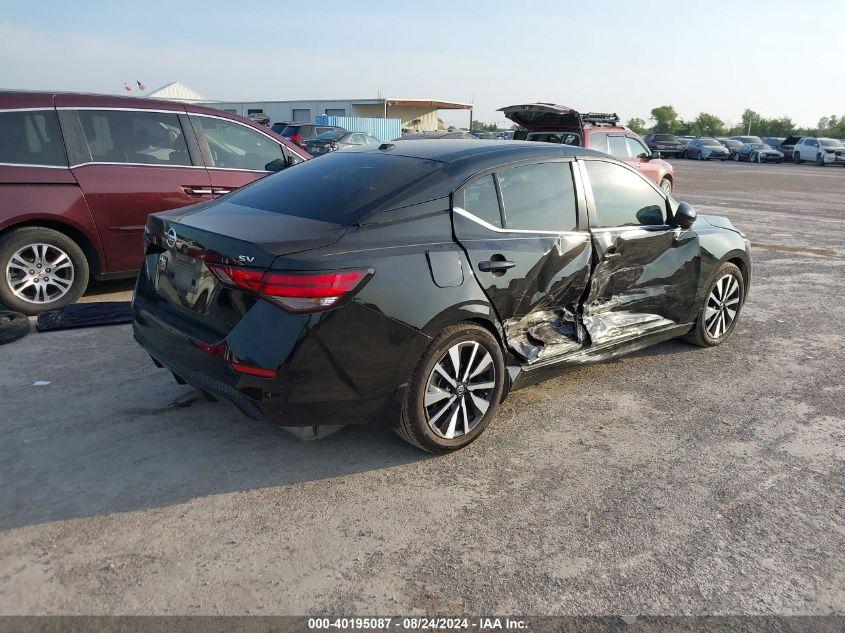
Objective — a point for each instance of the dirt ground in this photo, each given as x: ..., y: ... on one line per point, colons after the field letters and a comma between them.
x: 676, y: 480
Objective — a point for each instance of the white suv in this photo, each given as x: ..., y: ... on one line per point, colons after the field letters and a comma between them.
x: 824, y: 151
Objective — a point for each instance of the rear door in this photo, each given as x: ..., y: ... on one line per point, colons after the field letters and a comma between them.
x: 520, y: 228
x: 131, y: 163
x: 236, y: 154
x: 646, y: 273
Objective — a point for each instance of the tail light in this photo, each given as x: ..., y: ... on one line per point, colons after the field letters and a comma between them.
x: 297, y: 138
x: 293, y: 290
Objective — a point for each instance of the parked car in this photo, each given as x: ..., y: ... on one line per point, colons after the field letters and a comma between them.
x: 706, y: 148
x: 279, y: 126
x: 787, y: 145
x: 747, y: 139
x: 824, y: 151
x: 666, y: 144
x: 773, y: 142
x: 260, y: 118
x: 483, y: 135
x: 684, y: 140
x: 300, y: 132
x: 550, y: 122
x: 79, y: 174
x: 732, y: 145
x: 758, y: 153
x: 344, y: 315
x: 506, y: 135
x: 334, y: 140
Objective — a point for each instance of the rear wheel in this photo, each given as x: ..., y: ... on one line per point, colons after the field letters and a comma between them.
x: 454, y: 391
x: 40, y: 269
x: 721, y: 309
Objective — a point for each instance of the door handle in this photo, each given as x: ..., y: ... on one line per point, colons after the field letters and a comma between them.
x: 495, y: 265
x: 197, y: 191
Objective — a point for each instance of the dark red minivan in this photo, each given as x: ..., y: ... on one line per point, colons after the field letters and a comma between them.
x: 80, y: 173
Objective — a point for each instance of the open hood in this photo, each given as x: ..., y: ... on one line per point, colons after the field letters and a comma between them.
x: 545, y: 117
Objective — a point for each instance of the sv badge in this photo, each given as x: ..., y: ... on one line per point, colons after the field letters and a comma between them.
x: 245, y: 259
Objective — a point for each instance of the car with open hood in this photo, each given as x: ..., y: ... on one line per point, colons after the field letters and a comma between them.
x: 732, y: 145
x: 553, y: 123
x: 787, y: 145
x: 758, y: 153
x: 417, y: 283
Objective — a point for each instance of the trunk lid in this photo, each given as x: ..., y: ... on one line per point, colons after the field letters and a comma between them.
x: 542, y: 116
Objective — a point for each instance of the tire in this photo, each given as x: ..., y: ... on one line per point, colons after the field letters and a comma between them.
x: 13, y: 326
x: 736, y: 157
x: 666, y: 185
x: 37, y: 247
x: 796, y: 158
x: 706, y: 331
x: 700, y: 156
x: 819, y: 160
x: 443, y: 429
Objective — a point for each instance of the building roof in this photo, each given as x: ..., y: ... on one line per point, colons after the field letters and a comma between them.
x: 177, y: 91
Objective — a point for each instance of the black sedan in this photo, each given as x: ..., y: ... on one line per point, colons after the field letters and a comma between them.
x: 732, y: 145
x: 706, y: 148
x: 419, y: 283
x: 758, y: 153
x: 667, y: 144
x: 333, y: 140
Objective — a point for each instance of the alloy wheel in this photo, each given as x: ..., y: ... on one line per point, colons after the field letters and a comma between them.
x: 722, y: 306
x: 40, y: 273
x: 459, y: 389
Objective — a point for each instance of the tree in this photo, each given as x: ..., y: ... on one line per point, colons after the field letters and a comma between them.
x: 480, y: 126
x: 665, y: 119
x: 637, y: 125
x: 750, y: 119
x: 706, y: 124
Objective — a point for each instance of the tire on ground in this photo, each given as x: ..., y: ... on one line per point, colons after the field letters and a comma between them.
x: 13, y: 326
x: 412, y: 425
x: 14, y: 240
x: 698, y: 335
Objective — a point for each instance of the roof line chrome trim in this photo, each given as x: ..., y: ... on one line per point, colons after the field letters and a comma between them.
x: 117, y: 109
x: 36, y: 109
x: 95, y: 162
x: 490, y: 227
x: 31, y: 165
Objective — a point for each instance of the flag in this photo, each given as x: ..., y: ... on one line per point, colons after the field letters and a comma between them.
x: 127, y: 87
x: 140, y: 85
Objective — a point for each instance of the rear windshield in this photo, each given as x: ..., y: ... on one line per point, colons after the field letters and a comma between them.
x: 291, y: 130
x: 664, y: 137
x: 278, y: 128
x: 346, y: 186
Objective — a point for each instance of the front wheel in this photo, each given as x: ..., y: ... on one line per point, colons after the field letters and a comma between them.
x: 820, y: 160
x: 666, y: 185
x: 454, y: 391
x: 736, y: 157
x: 40, y: 269
x: 721, y: 309
x: 796, y: 158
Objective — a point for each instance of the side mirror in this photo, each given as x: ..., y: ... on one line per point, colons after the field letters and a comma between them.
x: 655, y: 154
x: 276, y: 165
x: 684, y: 215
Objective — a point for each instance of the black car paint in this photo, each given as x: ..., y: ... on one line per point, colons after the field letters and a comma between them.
x: 575, y: 297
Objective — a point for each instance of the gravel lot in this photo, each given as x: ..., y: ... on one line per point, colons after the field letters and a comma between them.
x: 676, y: 480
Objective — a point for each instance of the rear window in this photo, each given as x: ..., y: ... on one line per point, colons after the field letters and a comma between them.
x: 31, y: 138
x: 290, y: 130
x: 331, y: 135
x: 346, y: 186
x: 664, y: 137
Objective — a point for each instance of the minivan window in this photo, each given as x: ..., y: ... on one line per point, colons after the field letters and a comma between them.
x: 31, y: 138
x: 539, y: 197
x: 342, y: 187
x: 236, y: 146
x: 635, y: 148
x: 481, y: 200
x: 623, y: 197
x: 132, y: 136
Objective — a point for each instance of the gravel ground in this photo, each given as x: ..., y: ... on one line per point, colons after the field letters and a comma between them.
x: 676, y: 480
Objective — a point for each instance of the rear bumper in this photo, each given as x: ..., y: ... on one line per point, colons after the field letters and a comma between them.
x: 341, y: 367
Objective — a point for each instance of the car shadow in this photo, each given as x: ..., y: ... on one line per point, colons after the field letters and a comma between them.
x: 93, y: 460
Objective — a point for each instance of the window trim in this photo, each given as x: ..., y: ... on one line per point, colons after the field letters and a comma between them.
x: 581, y: 211
x: 591, y: 201
x: 67, y: 164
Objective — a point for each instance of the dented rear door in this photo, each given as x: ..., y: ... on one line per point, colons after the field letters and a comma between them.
x: 520, y: 229
x: 645, y: 272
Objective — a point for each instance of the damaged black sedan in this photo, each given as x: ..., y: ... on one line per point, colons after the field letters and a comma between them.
x: 418, y: 283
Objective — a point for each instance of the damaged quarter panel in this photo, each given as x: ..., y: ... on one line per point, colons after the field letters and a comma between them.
x: 646, y: 273
x: 519, y: 227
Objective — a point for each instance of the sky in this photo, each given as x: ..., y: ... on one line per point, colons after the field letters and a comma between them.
x: 779, y: 58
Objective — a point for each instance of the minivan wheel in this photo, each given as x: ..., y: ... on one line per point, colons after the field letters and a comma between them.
x: 40, y: 269
x: 666, y: 185
x: 721, y: 309
x: 454, y: 391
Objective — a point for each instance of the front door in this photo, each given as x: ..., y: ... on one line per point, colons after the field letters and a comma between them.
x: 521, y: 232
x: 129, y: 164
x: 646, y: 272
x: 235, y: 153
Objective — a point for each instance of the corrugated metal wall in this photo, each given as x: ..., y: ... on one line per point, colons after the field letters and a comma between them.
x: 382, y: 129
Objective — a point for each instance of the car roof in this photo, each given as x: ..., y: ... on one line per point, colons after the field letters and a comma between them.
x: 453, y: 150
